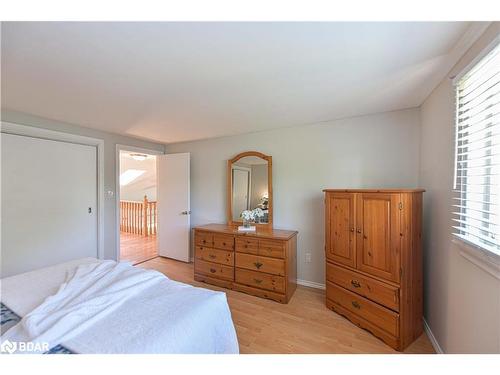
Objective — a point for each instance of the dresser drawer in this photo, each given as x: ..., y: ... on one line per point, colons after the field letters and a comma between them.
x: 262, y: 264
x: 223, y: 242
x: 260, y: 280
x: 278, y: 297
x: 247, y: 245
x: 381, y: 317
x: 214, y: 270
x: 375, y: 290
x: 272, y: 248
x: 214, y: 255
x: 203, y: 239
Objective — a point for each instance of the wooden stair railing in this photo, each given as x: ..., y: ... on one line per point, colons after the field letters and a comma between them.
x: 139, y: 217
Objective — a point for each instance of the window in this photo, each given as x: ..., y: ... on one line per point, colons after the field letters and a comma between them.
x: 476, y: 205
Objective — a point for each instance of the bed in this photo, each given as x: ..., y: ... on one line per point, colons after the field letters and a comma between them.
x: 92, y: 306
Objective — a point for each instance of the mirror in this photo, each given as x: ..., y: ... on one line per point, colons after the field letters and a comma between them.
x: 250, y: 187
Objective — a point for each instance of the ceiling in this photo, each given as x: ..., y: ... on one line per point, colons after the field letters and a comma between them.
x: 145, y: 181
x: 173, y: 82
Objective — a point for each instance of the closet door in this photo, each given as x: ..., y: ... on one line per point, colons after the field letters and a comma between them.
x: 340, y: 234
x: 49, y: 203
x: 378, y: 234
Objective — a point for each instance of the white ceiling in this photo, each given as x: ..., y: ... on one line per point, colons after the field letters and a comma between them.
x: 145, y: 181
x: 173, y: 82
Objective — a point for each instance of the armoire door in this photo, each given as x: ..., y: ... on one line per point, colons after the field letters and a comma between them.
x: 340, y: 235
x: 378, y: 234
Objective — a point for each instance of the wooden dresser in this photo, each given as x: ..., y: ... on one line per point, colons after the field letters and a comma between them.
x: 263, y: 264
x: 374, y: 261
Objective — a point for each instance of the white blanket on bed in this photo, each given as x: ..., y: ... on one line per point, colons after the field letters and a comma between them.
x: 90, y: 292
x: 115, y: 308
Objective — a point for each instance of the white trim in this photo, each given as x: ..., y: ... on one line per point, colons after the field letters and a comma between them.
x: 432, y: 338
x: 35, y: 132
x: 311, y: 284
x: 478, y: 58
x: 484, y: 259
x: 120, y: 147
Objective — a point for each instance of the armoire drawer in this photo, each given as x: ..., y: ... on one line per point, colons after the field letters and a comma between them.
x: 380, y: 316
x: 372, y: 289
x: 261, y: 264
x: 214, y: 270
x: 209, y: 254
x: 260, y: 280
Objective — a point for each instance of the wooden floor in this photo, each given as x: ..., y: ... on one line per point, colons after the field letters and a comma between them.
x: 136, y: 248
x: 304, y: 325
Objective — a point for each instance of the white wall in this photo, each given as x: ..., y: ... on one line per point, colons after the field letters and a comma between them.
x: 110, y: 142
x: 462, y: 301
x: 379, y: 150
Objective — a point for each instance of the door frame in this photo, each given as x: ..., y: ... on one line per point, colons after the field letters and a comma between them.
x: 53, y: 135
x: 121, y: 147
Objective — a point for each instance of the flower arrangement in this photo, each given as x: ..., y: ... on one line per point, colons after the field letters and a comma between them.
x: 250, y: 216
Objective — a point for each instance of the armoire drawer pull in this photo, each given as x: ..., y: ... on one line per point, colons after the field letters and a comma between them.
x: 352, y: 230
x: 213, y: 270
x: 359, y: 230
x: 258, y: 265
x: 258, y: 281
x: 355, y: 284
x: 212, y: 256
x: 355, y: 305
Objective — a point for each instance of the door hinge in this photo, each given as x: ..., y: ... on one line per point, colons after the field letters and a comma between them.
x: 400, y: 205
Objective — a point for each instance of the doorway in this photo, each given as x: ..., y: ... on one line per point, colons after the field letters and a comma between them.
x: 138, y: 206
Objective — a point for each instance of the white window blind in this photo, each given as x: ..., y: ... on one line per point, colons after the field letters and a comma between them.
x: 476, y: 206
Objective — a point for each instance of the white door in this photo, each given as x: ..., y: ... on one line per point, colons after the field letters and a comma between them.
x: 173, y: 206
x: 49, y: 203
x: 240, y: 191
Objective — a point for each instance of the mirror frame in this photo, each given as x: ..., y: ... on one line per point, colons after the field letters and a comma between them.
x: 230, y: 162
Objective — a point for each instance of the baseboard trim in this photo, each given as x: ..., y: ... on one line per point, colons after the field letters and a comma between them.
x: 311, y: 284
x: 432, y: 338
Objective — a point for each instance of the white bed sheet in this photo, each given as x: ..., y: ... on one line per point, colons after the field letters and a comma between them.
x: 172, y: 317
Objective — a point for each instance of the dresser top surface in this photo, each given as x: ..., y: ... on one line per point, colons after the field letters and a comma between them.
x: 374, y: 190
x: 279, y: 234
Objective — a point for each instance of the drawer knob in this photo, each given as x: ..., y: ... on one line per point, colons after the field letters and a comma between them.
x: 352, y: 230
x: 359, y: 230
x: 258, y: 281
x: 258, y: 265
x: 355, y: 284
x: 355, y: 305
x: 213, y: 270
x: 212, y: 256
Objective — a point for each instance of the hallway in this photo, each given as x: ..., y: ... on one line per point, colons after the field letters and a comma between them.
x: 136, y: 248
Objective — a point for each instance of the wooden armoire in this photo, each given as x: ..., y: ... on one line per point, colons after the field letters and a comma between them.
x: 373, y: 250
